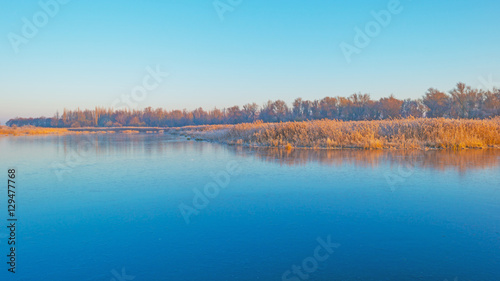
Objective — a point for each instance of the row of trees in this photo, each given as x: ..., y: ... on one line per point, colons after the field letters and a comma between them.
x: 461, y: 102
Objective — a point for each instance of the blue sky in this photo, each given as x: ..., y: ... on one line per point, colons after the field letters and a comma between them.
x: 90, y: 53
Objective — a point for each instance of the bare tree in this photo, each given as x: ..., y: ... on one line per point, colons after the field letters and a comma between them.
x: 437, y: 102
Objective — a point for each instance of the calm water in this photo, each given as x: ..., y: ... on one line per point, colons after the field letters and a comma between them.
x: 143, y: 207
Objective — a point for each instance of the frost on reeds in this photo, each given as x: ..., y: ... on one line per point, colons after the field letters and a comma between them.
x: 412, y: 133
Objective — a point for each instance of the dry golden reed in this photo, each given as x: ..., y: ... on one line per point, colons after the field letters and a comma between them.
x: 412, y: 133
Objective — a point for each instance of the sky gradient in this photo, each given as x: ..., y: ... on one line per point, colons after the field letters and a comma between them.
x: 91, y: 53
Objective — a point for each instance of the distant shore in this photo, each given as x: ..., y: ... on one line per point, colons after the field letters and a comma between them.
x: 411, y: 133
x: 33, y: 131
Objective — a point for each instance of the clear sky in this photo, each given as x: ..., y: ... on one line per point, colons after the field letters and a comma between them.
x: 91, y: 53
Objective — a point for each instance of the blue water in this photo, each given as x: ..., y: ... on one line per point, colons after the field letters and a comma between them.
x: 108, y: 207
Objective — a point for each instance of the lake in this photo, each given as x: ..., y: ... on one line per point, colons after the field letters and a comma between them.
x: 160, y: 207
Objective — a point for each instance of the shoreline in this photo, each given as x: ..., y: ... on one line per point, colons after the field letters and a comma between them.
x: 290, y: 148
x: 402, y: 134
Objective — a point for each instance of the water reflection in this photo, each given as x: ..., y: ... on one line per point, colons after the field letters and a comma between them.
x: 121, y: 188
x: 437, y: 159
x: 109, y: 144
x: 158, y: 145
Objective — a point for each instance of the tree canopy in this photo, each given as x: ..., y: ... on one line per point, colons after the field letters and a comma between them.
x: 461, y: 102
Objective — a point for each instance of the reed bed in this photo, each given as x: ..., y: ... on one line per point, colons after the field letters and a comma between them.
x: 412, y: 133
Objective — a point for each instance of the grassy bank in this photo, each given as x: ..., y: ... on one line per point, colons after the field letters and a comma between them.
x: 411, y: 133
x: 31, y: 130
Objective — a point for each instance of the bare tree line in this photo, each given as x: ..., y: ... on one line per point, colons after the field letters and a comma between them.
x: 461, y: 102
